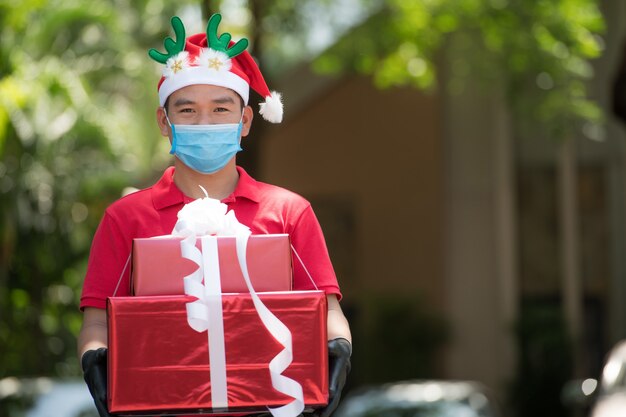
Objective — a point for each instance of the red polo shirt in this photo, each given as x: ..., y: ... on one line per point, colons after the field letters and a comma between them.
x: 264, y: 208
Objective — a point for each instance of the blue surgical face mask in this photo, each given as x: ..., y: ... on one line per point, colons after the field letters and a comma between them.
x: 206, y: 148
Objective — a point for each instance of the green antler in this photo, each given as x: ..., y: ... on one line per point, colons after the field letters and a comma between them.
x: 220, y: 43
x: 171, y: 47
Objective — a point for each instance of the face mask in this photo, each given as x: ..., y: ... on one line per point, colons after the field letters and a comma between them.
x: 206, y: 148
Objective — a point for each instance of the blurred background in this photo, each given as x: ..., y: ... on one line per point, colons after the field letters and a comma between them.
x: 463, y: 157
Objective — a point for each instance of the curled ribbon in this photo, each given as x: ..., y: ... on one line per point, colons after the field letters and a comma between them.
x: 282, y: 334
x: 205, y: 314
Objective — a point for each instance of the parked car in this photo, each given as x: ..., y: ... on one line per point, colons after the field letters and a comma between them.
x: 420, y: 398
x: 611, y: 396
x: 45, y: 397
x: 606, y: 397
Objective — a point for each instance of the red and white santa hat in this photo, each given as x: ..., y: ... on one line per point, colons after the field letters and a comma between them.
x: 206, y: 58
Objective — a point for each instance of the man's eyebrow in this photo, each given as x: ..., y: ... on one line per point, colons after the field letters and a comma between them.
x: 183, y: 102
x: 218, y: 100
x: 224, y: 100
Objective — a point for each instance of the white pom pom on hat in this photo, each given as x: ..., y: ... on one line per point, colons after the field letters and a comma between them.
x: 272, y: 109
x: 206, y: 58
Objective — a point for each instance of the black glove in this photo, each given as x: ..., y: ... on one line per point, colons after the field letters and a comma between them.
x: 339, y: 351
x: 94, y: 364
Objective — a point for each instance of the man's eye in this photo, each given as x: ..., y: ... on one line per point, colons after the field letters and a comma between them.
x: 221, y: 109
x: 186, y: 110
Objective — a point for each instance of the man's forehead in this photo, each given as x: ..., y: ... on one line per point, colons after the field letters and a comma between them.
x: 200, y: 93
x: 181, y: 101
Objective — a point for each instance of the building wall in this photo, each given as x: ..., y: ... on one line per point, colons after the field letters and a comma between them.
x: 480, y: 239
x: 425, y: 186
x: 370, y: 162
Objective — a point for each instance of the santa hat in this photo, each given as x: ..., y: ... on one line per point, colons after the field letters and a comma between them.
x: 206, y: 58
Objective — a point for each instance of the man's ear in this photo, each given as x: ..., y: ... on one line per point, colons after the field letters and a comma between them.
x: 164, y: 127
x: 246, y: 120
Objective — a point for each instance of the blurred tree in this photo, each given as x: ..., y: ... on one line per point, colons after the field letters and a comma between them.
x: 540, y: 49
x: 76, y: 127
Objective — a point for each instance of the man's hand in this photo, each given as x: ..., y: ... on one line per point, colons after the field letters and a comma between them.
x: 94, y: 364
x: 339, y: 351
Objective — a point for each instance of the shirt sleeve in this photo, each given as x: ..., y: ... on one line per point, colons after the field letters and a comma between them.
x: 312, y: 267
x: 108, y: 267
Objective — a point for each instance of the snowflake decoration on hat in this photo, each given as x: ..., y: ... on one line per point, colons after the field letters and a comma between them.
x: 176, y: 64
x: 214, y: 60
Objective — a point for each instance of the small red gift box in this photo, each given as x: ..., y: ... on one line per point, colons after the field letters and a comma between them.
x: 158, y: 267
x: 158, y: 364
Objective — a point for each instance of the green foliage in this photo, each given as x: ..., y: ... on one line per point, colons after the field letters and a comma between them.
x: 399, y: 338
x: 77, y: 100
x: 540, y: 48
x: 545, y: 361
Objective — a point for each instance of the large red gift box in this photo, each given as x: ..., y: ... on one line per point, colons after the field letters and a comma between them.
x: 158, y: 363
x: 158, y: 267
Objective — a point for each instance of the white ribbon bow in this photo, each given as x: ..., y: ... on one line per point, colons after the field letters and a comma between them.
x: 209, y: 218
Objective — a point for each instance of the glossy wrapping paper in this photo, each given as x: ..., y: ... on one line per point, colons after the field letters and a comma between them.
x: 158, y: 267
x: 157, y: 363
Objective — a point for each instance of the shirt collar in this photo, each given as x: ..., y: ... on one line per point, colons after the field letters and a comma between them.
x: 247, y: 187
x: 165, y: 193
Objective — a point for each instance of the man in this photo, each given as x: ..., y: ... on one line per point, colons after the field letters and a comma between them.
x: 203, y: 97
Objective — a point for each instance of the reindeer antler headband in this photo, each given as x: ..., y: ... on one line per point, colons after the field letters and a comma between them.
x: 206, y: 58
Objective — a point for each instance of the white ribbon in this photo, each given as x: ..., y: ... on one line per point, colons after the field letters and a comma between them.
x: 282, y: 334
x: 205, y: 314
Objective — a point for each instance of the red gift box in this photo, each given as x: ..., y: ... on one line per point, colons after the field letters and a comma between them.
x: 158, y: 363
x: 158, y: 267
